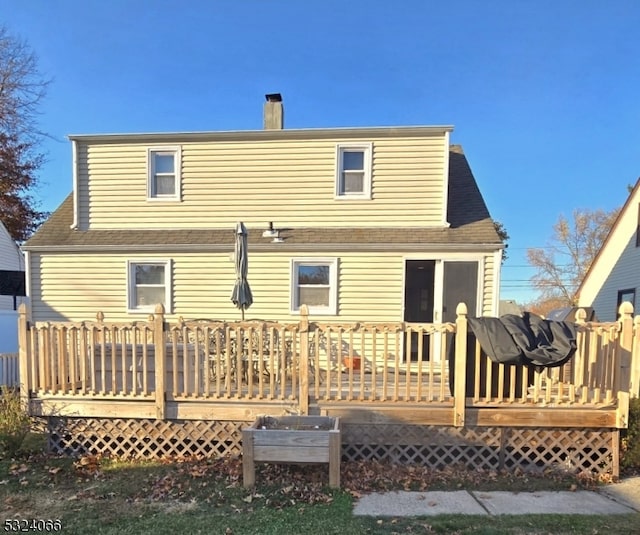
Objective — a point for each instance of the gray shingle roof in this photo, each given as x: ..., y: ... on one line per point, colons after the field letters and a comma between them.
x: 471, y: 227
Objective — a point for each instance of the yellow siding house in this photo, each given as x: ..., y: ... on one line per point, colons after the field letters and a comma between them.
x: 361, y: 224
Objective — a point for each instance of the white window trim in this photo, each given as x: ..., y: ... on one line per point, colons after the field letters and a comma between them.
x: 367, y: 148
x: 330, y: 310
x: 168, y: 283
x: 177, y: 151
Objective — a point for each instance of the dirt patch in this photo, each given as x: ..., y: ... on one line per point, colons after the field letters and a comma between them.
x: 299, y: 423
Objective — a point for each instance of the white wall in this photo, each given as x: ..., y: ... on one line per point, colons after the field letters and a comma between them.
x: 8, y: 331
x: 9, y: 375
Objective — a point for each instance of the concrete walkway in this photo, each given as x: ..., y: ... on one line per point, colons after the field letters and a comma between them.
x: 618, y: 498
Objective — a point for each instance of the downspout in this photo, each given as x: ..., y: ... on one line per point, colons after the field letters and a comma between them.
x: 445, y: 183
x: 74, y: 171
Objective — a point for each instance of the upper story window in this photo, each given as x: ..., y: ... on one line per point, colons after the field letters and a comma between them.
x: 353, y: 171
x: 164, y: 174
x: 314, y: 282
x: 149, y: 284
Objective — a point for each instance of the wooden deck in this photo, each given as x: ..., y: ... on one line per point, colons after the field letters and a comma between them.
x: 201, y: 368
x: 237, y: 371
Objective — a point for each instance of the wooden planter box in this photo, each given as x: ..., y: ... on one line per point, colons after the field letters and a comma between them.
x: 292, y: 439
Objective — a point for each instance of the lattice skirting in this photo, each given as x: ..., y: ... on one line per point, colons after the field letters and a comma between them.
x: 529, y: 449
x: 140, y: 438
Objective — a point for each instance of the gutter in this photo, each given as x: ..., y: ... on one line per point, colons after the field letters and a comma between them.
x: 274, y: 248
x: 245, y: 135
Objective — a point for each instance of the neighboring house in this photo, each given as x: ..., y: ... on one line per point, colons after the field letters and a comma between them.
x: 11, y: 271
x: 509, y: 306
x: 614, y: 275
x: 369, y: 224
x: 11, y: 290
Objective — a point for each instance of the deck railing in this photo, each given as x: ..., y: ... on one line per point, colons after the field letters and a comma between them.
x: 371, y: 362
x: 314, y: 362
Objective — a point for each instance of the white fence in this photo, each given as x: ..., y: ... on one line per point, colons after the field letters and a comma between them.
x: 9, y: 375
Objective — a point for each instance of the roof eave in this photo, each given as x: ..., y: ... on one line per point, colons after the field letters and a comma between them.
x: 287, y: 133
x: 275, y: 247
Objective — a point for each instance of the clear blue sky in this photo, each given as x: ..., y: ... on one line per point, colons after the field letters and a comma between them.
x: 544, y: 95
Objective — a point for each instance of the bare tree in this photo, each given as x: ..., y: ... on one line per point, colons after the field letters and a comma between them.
x: 562, y: 265
x: 22, y: 88
x: 543, y: 306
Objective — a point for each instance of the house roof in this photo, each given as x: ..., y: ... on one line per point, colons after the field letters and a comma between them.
x: 471, y: 228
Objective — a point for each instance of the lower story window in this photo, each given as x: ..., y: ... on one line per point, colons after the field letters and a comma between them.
x: 314, y: 283
x: 626, y: 295
x: 149, y: 284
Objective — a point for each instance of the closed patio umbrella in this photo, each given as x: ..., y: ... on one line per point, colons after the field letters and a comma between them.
x: 241, y: 295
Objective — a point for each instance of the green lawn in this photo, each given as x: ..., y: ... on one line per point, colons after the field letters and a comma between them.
x: 92, y: 495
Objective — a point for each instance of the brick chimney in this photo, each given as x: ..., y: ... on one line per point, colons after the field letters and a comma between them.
x: 273, y: 112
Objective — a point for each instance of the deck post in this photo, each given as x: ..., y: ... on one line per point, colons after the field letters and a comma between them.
x: 303, y: 328
x: 23, y: 355
x: 623, y: 370
x: 160, y: 361
x: 248, y: 461
x: 615, y: 453
x: 460, y: 367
